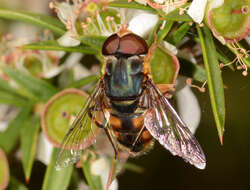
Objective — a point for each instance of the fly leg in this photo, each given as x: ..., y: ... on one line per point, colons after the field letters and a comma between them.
x: 138, y: 135
x: 106, y: 129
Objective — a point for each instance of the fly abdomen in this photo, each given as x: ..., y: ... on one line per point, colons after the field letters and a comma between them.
x: 136, y: 142
x: 128, y: 131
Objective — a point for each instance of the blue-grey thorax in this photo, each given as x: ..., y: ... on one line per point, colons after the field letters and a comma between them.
x: 124, y: 77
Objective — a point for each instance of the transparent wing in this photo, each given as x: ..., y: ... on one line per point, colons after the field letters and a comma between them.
x: 82, y: 132
x: 166, y: 126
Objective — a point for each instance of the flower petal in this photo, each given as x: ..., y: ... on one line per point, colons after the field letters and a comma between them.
x: 65, y: 11
x: 142, y: 23
x: 170, y: 47
x: 44, y: 149
x: 141, y: 2
x: 189, y: 108
x: 67, y: 40
x: 197, y: 10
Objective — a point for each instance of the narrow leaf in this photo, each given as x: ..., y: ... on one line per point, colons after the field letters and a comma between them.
x: 56, y: 180
x: 134, y: 168
x: 82, y: 82
x: 192, y: 70
x: 4, y: 170
x: 9, y: 137
x: 43, y: 21
x: 94, y: 181
x: 132, y: 5
x: 38, y: 88
x: 16, y: 184
x: 174, y: 16
x: 95, y: 42
x: 224, y: 60
x: 214, y: 79
x: 6, y: 87
x: 53, y: 45
x: 12, y: 99
x: 28, y: 144
x: 178, y: 35
x: 163, y: 32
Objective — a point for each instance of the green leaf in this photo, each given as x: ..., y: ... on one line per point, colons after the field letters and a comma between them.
x: 12, y: 99
x: 43, y: 21
x: 214, y: 79
x: 95, y: 42
x: 132, y: 5
x: 56, y: 180
x: 178, y: 35
x: 94, y: 181
x: 53, y: 45
x: 192, y: 70
x: 151, y: 37
x: 175, y: 16
x: 40, y: 89
x: 224, y: 60
x: 246, y: 61
x: 83, y: 82
x: 134, y: 168
x: 4, y: 170
x: 6, y: 87
x: 9, y: 137
x: 28, y: 144
x: 16, y: 184
x: 163, y: 33
x: 9, y: 95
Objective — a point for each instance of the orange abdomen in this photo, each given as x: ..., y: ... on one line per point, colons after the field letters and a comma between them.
x: 130, y: 131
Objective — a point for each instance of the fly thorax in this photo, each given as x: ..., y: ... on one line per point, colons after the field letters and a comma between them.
x: 124, y: 77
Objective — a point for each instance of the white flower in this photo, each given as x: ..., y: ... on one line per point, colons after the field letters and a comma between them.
x: 101, y: 167
x: 88, y: 15
x: 44, y: 149
x: 170, y: 47
x: 7, y: 114
x: 67, y: 40
x: 142, y: 23
x: 188, y: 105
x: 197, y: 10
x: 71, y: 61
x: 141, y: 2
x: 66, y: 12
x: 166, y: 5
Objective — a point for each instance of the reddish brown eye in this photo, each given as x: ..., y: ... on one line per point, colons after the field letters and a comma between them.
x: 111, y: 45
x: 133, y: 45
x: 130, y: 44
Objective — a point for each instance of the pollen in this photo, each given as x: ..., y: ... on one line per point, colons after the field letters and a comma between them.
x: 91, y: 7
x: 165, y: 3
x: 51, y: 5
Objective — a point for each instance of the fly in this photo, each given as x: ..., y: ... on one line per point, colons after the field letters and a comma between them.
x: 134, y: 109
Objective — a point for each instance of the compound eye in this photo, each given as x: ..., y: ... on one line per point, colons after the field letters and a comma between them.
x: 132, y: 44
x: 136, y: 65
x: 111, y: 45
x: 109, y: 66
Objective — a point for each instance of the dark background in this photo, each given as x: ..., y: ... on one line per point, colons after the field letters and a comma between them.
x: 228, y: 166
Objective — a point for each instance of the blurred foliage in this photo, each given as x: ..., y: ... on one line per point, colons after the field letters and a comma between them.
x: 30, y: 91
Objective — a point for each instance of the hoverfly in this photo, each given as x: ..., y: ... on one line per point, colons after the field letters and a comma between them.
x: 135, y: 111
